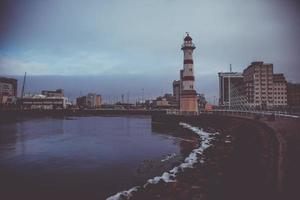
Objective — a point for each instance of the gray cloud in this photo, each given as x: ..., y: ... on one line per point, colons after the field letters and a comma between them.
x: 136, y: 37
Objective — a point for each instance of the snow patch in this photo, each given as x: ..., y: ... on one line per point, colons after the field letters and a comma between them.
x: 168, y: 157
x: 123, y: 194
x: 170, y: 176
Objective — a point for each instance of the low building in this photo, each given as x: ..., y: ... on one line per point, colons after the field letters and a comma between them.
x: 43, y: 102
x: 166, y: 101
x: 8, y: 90
x: 161, y: 102
x: 293, y: 94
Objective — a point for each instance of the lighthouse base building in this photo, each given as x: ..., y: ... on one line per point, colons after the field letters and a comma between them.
x: 188, y: 95
x: 188, y: 103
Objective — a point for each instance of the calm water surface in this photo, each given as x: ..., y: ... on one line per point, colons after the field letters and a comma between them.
x: 77, y: 158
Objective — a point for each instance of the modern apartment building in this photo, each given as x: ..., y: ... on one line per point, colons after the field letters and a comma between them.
x: 263, y: 88
x: 257, y: 86
x: 293, y: 94
x: 279, y: 90
x: 8, y: 90
x: 230, y: 83
x: 258, y: 80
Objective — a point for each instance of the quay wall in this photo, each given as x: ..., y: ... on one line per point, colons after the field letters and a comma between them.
x: 12, y: 115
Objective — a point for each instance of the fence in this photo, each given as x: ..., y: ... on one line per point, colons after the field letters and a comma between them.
x: 257, y: 114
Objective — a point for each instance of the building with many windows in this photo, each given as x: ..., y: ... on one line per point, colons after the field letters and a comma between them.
x: 92, y: 100
x: 8, y: 90
x: 227, y: 81
x: 293, y: 94
x: 42, y: 102
x: 258, y: 80
x: 263, y: 88
x: 257, y: 87
x: 55, y: 93
x: 279, y: 90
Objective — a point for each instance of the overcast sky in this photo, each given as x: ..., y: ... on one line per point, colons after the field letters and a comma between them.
x: 137, y: 38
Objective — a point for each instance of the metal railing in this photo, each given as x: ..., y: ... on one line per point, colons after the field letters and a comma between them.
x: 243, y: 113
x: 276, y: 114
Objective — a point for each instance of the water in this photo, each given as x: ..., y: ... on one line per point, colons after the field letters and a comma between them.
x: 77, y: 158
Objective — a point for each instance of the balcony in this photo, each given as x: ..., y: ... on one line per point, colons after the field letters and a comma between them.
x: 188, y: 46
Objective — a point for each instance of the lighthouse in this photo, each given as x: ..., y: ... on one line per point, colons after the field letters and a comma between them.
x: 188, y: 95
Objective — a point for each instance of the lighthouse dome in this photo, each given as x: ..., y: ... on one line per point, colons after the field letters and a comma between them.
x: 187, y: 38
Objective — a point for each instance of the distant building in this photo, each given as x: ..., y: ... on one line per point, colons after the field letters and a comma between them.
x: 293, y: 94
x: 98, y: 101
x: 8, y: 90
x: 166, y: 101
x: 176, y: 90
x: 81, y: 102
x: 55, y: 93
x: 43, y: 102
x: 201, y: 100
x: 92, y: 100
x: 161, y: 102
x: 227, y: 81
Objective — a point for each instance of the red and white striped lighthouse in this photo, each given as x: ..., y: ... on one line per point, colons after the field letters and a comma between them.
x: 188, y: 96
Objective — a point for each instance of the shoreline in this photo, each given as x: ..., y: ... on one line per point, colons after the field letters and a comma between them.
x: 169, y: 177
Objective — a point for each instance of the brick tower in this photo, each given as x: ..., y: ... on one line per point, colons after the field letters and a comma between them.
x: 188, y: 96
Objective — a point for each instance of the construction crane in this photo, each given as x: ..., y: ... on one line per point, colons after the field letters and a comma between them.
x: 23, y: 87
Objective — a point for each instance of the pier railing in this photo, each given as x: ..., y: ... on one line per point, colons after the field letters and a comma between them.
x: 275, y: 114
x: 243, y: 113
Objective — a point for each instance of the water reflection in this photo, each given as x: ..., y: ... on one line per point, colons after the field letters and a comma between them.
x: 76, y: 158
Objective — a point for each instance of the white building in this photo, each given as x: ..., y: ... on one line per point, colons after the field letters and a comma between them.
x: 43, y: 102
